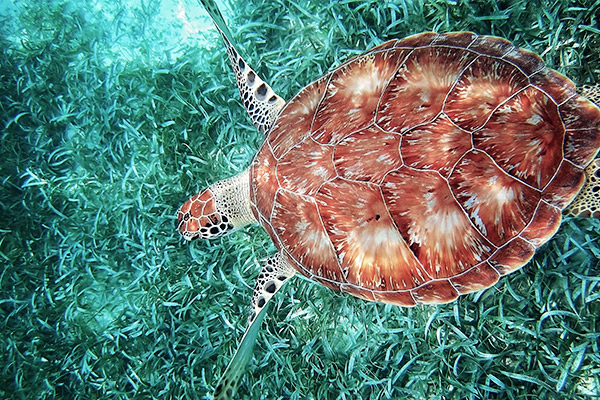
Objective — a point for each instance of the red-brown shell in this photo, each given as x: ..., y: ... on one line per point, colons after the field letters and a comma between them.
x: 425, y: 168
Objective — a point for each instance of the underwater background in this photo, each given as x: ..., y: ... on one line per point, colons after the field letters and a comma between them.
x: 112, y: 113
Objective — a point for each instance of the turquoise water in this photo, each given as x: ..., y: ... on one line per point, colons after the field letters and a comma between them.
x: 113, y: 113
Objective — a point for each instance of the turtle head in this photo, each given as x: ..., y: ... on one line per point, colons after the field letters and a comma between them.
x: 221, y: 208
x: 199, y: 218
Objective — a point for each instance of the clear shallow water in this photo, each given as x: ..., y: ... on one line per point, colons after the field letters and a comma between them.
x: 113, y: 113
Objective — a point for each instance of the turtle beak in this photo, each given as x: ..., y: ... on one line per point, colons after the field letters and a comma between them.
x: 187, y: 225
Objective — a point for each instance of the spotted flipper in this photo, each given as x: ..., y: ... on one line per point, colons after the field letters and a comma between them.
x: 273, y: 274
x: 592, y: 92
x: 587, y: 202
x: 261, y: 102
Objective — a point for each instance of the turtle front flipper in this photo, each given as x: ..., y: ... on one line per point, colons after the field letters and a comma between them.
x: 261, y: 102
x: 273, y: 274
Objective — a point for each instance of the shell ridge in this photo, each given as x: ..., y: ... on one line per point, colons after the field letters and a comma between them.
x: 451, y: 170
x: 509, y: 98
x: 272, y: 212
x: 419, y: 125
x: 483, y: 229
x: 367, y: 52
x: 564, y: 102
x: 281, y: 245
x: 520, y: 235
x: 479, y: 264
x: 496, y: 39
x: 524, y: 174
x: 464, y: 211
x: 421, y: 245
x: 421, y: 285
x: 395, y: 225
x: 475, y: 38
x: 493, y: 111
x: 517, y: 66
x: 523, y: 52
x: 371, y: 124
x: 301, y: 268
x: 285, y: 153
x: 318, y: 109
x: 338, y: 159
x: 577, y: 130
x: 563, y: 161
x: 435, y: 39
x: 453, y: 285
x: 320, y: 103
x: 542, y: 200
x: 387, y: 84
x: 492, y: 159
x: 549, y: 96
x: 562, y: 150
x: 312, y: 199
x: 325, y: 183
x: 402, y: 163
x: 268, y: 143
x: 335, y: 168
x: 451, y: 89
x: 344, y: 272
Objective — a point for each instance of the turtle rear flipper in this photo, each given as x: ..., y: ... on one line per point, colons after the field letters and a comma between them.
x: 260, y: 101
x: 587, y: 202
x: 273, y: 274
x: 591, y: 91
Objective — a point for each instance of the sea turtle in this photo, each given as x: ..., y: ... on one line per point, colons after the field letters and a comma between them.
x: 425, y: 168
